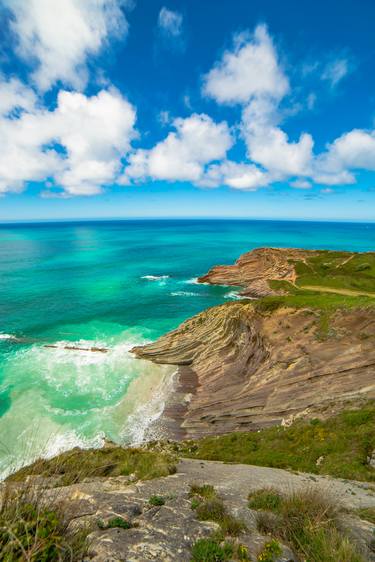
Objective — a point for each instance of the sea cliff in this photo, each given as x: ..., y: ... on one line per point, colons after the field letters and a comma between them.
x: 296, y: 352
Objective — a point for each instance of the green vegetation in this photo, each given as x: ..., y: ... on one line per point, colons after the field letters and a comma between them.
x: 367, y: 513
x: 209, y: 507
x: 338, y: 270
x: 342, y: 444
x: 76, y: 465
x: 209, y: 550
x: 327, y: 281
x: 267, y: 499
x: 270, y: 552
x: 115, y: 523
x: 156, y: 501
x: 309, y: 522
x: 30, y: 531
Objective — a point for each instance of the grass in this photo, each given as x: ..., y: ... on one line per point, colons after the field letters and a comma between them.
x: 33, y: 532
x: 209, y: 507
x: 156, y: 501
x: 309, y: 523
x: 267, y: 499
x: 115, y: 523
x: 270, y: 552
x: 367, y: 513
x: 209, y: 550
x: 76, y: 465
x: 344, y: 441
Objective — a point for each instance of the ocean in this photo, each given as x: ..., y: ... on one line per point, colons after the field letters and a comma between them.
x: 111, y: 285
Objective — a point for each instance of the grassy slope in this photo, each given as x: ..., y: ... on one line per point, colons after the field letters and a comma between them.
x: 344, y: 442
x: 341, y: 270
x: 77, y: 464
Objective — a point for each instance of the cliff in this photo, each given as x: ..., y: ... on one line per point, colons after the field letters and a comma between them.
x: 246, y: 365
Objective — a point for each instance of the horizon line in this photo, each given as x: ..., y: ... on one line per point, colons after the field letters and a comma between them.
x: 179, y: 218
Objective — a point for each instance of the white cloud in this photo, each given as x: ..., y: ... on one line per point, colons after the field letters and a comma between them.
x: 78, y: 145
x: 170, y: 22
x: 269, y: 145
x: 60, y: 35
x: 301, y: 183
x: 250, y: 69
x: 354, y: 150
x: 335, y: 71
x: 15, y: 95
x: 182, y: 155
x: 235, y: 175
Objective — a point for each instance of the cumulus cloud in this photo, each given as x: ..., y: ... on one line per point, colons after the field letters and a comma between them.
x: 78, y: 146
x: 15, y: 95
x: 59, y: 36
x: 269, y: 145
x: 250, y: 69
x: 170, y: 22
x: 196, y: 141
x: 235, y: 175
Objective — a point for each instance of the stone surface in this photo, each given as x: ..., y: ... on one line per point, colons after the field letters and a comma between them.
x: 167, y: 533
x: 248, y: 370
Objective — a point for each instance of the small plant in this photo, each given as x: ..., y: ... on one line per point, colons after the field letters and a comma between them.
x: 32, y: 532
x: 156, y: 501
x: 367, y: 513
x: 308, y: 521
x: 270, y: 552
x: 267, y: 499
x: 205, y: 491
x: 114, y: 523
x: 209, y: 550
x: 194, y: 503
x: 211, y: 510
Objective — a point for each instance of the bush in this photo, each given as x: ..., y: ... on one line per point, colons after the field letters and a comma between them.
x: 156, y: 501
x: 115, y: 523
x: 308, y: 521
x: 209, y: 550
x: 32, y: 532
x: 267, y: 499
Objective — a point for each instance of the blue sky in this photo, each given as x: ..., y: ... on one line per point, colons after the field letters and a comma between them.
x: 261, y: 109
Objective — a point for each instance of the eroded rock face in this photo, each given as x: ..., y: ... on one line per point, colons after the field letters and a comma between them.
x: 256, y: 369
x: 253, y: 270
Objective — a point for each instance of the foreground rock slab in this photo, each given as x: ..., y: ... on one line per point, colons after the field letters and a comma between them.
x: 166, y: 533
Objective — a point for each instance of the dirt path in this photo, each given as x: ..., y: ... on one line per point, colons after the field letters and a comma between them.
x: 348, y: 292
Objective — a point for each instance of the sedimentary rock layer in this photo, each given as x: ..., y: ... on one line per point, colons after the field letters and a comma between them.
x: 254, y: 369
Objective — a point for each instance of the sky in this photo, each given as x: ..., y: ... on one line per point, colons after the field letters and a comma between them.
x: 187, y: 108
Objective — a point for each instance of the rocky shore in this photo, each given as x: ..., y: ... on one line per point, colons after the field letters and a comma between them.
x: 244, y: 367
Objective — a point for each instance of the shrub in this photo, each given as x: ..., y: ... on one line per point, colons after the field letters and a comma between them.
x: 209, y: 550
x: 267, y: 499
x: 270, y: 552
x: 32, y: 532
x: 114, y: 523
x: 156, y: 500
x: 308, y: 521
x: 204, y: 491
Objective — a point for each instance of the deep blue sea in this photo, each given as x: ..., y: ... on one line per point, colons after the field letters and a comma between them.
x: 111, y: 285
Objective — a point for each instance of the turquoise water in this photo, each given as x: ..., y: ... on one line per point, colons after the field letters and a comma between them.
x: 111, y: 285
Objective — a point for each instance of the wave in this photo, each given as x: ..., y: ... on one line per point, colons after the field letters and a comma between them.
x: 184, y: 294
x: 78, y: 398
x: 7, y: 337
x: 192, y: 281
x: 155, y: 277
x: 237, y: 296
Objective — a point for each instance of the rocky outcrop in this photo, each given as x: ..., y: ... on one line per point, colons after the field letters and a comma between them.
x: 167, y: 532
x: 252, y: 369
x: 253, y: 270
